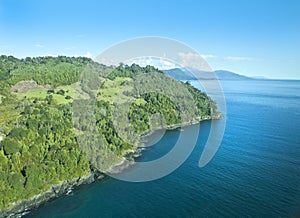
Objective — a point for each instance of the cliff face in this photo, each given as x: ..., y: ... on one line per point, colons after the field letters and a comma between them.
x: 25, y: 206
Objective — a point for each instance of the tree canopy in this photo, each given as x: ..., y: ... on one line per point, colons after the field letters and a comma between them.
x: 40, y: 147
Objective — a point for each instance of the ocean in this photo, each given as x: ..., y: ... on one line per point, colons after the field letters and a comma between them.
x: 255, y: 172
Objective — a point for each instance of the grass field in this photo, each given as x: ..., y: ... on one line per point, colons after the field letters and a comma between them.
x: 110, y: 91
x: 73, y: 91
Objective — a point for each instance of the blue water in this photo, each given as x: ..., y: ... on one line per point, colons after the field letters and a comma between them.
x: 255, y: 173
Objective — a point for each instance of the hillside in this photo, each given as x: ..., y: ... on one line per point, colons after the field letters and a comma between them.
x: 45, y: 142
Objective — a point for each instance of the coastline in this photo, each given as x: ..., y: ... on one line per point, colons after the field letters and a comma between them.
x: 25, y: 206
x: 180, y: 125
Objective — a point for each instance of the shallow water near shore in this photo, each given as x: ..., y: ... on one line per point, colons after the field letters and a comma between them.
x: 255, y: 173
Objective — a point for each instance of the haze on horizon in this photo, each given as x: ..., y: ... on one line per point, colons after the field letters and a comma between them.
x: 252, y: 38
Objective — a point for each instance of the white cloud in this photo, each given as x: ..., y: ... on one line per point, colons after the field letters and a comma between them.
x: 88, y: 55
x: 166, y: 65
x: 4, y: 46
x: 8, y: 54
x: 160, y: 63
x: 208, y: 56
x: 193, y: 60
x: 238, y: 58
x: 39, y: 46
x: 50, y: 55
x: 76, y: 55
x: 70, y: 48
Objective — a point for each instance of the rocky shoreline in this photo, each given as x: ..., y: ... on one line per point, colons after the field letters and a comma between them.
x: 25, y: 206
x: 175, y: 126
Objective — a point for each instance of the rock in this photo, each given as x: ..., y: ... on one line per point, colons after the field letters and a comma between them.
x: 24, y: 86
x: 23, y: 207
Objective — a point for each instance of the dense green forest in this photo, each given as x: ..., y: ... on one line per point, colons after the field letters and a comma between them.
x: 44, y: 141
x: 55, y: 71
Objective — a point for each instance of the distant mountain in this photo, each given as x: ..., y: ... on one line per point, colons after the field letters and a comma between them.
x: 227, y: 75
x: 260, y: 77
x: 179, y: 74
x: 182, y: 74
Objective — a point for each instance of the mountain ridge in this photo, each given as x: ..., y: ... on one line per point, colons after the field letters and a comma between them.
x: 183, y: 74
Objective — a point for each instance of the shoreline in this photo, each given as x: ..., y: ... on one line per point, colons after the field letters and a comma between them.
x: 180, y: 125
x: 24, y: 207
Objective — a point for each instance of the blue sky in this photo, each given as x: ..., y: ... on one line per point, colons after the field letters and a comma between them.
x: 251, y: 37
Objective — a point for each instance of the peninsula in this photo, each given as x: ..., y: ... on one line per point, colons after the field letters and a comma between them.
x: 41, y: 155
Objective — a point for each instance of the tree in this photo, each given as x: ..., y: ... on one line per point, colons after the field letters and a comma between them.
x: 10, y: 146
x: 61, y: 92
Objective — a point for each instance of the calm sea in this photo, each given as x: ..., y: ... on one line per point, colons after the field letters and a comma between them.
x: 255, y: 173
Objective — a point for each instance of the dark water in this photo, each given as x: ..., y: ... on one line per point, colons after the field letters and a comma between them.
x: 255, y: 173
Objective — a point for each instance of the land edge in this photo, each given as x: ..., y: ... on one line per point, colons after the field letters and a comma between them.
x: 180, y: 125
x: 24, y: 207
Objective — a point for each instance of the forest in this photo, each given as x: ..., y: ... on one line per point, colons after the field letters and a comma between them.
x: 44, y: 141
